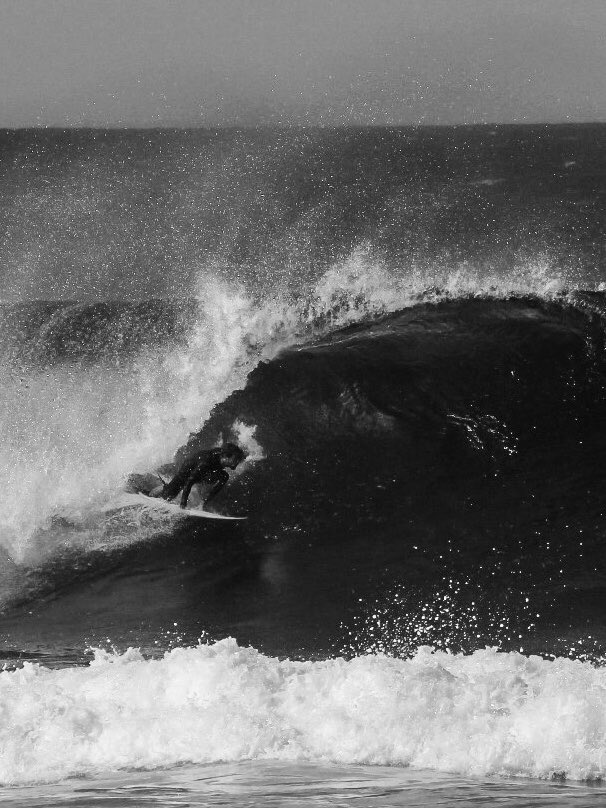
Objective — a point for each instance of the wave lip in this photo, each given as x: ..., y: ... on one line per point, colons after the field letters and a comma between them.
x: 478, y: 714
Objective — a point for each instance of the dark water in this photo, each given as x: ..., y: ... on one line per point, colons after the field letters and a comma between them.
x: 405, y: 328
x: 307, y: 784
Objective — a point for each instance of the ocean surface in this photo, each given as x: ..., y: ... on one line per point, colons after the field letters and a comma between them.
x: 405, y: 328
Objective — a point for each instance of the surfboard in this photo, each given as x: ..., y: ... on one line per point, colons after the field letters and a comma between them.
x: 158, y: 504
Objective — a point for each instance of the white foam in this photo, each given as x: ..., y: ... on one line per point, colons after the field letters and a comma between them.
x: 488, y: 181
x: 363, y: 284
x: 485, y: 713
x: 70, y: 435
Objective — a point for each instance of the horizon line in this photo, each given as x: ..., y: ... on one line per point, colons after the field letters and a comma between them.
x: 282, y: 126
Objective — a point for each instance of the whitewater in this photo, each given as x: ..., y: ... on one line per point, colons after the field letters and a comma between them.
x: 413, y: 357
x: 480, y: 714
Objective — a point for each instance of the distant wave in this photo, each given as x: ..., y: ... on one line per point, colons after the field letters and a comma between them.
x: 44, y: 333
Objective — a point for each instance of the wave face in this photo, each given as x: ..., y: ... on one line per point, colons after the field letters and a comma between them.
x: 445, y: 450
x: 406, y: 331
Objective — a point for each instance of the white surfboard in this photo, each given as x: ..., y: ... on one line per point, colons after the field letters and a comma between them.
x: 159, y: 504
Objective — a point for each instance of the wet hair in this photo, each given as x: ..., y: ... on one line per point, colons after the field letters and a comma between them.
x: 233, y: 452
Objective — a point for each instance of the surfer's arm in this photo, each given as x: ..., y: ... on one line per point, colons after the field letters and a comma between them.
x: 221, y: 478
x: 196, y: 475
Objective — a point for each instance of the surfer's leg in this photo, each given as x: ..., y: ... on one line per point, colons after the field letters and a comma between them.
x: 172, y: 488
x: 186, y: 490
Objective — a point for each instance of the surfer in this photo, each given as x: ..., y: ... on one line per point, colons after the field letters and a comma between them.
x: 207, y: 466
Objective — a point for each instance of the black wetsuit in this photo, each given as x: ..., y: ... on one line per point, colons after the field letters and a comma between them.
x: 203, y: 467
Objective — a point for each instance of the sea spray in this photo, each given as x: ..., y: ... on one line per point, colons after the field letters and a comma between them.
x: 71, y: 433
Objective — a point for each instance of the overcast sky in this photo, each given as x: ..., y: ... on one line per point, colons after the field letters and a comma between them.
x: 209, y: 62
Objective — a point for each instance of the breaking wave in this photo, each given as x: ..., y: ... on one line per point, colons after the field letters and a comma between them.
x: 485, y: 713
x: 91, y: 393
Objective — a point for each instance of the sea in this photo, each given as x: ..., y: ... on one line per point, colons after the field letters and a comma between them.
x: 405, y: 329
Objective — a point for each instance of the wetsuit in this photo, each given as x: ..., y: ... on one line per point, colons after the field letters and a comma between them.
x: 204, y: 467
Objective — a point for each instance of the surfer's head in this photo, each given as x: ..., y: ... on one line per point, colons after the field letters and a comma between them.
x: 231, y: 455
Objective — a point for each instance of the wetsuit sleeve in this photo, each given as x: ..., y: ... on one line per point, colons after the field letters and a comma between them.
x: 208, y: 468
x: 220, y: 479
x: 195, y: 475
